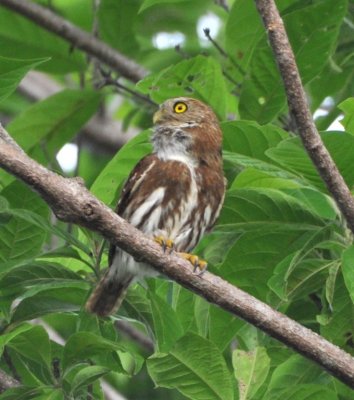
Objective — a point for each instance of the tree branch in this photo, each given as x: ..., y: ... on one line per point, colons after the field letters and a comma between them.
x: 72, y: 202
x: 298, y: 105
x: 7, y: 381
x: 77, y: 37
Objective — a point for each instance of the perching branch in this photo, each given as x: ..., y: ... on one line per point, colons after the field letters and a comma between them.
x: 77, y: 38
x: 301, y: 113
x: 7, y: 381
x: 72, y: 202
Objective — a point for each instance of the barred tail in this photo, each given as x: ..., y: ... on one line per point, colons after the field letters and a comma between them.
x: 108, y: 295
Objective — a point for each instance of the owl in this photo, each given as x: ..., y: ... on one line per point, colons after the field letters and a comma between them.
x: 173, y: 195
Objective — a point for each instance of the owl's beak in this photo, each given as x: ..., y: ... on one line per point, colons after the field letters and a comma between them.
x: 157, y: 116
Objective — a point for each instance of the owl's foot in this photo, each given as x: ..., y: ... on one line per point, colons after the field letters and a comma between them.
x: 166, y: 244
x: 198, y: 264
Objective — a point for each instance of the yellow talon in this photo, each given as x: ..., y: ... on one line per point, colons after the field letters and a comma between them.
x: 164, y: 243
x: 197, y: 263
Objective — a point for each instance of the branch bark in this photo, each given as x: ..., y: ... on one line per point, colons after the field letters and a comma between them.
x: 77, y: 38
x: 299, y: 108
x: 72, y: 202
x: 7, y: 381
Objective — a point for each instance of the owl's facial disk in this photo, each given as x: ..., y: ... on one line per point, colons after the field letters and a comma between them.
x: 181, y: 110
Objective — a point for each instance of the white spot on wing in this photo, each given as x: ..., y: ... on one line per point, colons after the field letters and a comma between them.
x: 154, y: 200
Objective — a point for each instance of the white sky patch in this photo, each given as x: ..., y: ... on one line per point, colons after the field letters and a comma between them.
x: 168, y: 40
x: 210, y: 21
x: 67, y: 157
x: 336, y: 125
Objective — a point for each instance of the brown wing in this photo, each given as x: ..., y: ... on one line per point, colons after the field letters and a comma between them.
x: 129, y: 188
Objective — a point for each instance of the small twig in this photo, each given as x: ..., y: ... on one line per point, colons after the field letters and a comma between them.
x: 77, y: 38
x: 299, y: 108
x: 223, y: 52
x: 182, y: 53
x: 223, y: 4
x: 138, y: 337
x: 109, y: 81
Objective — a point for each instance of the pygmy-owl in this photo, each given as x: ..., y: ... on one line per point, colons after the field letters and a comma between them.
x: 173, y: 195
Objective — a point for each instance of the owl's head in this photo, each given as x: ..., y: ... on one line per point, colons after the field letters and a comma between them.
x: 186, y: 127
x: 184, y: 112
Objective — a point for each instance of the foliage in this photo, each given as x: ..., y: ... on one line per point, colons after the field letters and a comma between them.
x: 280, y: 236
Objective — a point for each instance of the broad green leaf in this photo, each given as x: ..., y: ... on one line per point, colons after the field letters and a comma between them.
x: 56, y: 120
x: 117, y: 170
x: 183, y: 304
x: 24, y: 344
x: 223, y: 327
x: 195, y: 367
x: 83, y: 345
x: 267, y: 206
x: 29, y: 40
x: 348, y: 270
x: 347, y: 106
x: 244, y: 29
x: 86, y: 376
x: 5, y: 338
x: 22, y: 393
x: 296, y: 369
x: 292, y: 156
x: 199, y: 77
x: 37, y: 273
x: 312, y: 31
x: 12, y: 72
x: 338, y: 325
x: 302, y: 392
x: 20, y: 239
x: 251, y: 369
x: 117, y: 20
x: 167, y: 327
x: 49, y: 301
x: 254, y: 178
x: 251, y: 139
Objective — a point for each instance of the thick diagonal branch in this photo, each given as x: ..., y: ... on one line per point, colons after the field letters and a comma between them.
x: 300, y: 110
x: 72, y: 202
x: 77, y: 38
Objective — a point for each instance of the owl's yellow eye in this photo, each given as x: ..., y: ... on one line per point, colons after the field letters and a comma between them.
x: 180, y: 107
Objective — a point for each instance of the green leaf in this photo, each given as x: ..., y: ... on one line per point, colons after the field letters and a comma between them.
x: 312, y: 30
x: 56, y: 120
x: 117, y: 25
x: 22, y: 393
x: 292, y: 156
x: 251, y: 370
x: 303, y: 392
x: 199, y: 77
x: 244, y: 24
x: 167, y: 327
x: 117, y: 170
x: 49, y: 301
x: 20, y: 239
x: 29, y: 40
x: 12, y: 72
x: 251, y: 139
x: 5, y: 338
x: 83, y: 345
x: 347, y: 106
x: 38, y: 273
x: 86, y: 376
x: 268, y: 206
x: 195, y: 367
x: 24, y: 345
x: 348, y: 270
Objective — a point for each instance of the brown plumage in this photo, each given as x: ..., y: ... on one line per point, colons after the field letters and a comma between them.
x: 175, y: 193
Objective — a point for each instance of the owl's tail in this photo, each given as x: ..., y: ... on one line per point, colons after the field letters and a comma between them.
x: 108, y: 295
